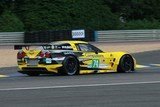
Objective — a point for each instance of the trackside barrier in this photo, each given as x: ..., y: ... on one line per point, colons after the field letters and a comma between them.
x: 127, y: 35
x: 11, y: 38
x: 50, y: 36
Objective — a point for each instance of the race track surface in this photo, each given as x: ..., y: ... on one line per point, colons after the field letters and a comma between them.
x: 138, y: 89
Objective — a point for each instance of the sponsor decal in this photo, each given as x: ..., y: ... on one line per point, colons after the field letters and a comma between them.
x: 58, y: 59
x: 95, y: 56
x: 68, y: 52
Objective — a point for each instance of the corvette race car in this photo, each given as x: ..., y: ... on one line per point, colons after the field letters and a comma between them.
x: 71, y: 58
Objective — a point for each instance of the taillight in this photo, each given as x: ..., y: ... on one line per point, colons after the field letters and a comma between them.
x: 42, y: 54
x: 21, y: 55
x: 48, y: 55
x: 45, y: 54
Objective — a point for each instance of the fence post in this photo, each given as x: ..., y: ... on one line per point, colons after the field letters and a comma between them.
x: 96, y: 36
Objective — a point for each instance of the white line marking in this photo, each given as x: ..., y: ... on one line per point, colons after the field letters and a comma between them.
x: 1, y: 76
x: 141, y: 66
x: 158, y: 65
x: 77, y: 86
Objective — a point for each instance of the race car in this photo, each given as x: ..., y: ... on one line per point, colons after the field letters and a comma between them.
x: 71, y: 58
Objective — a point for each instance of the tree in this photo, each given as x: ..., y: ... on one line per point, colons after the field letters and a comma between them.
x: 136, y: 9
x: 66, y: 14
x: 9, y: 22
x: 6, y: 5
x: 82, y: 14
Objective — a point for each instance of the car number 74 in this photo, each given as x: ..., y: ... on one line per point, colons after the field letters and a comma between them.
x: 95, y: 63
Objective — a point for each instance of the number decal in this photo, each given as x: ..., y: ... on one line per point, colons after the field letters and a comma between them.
x: 95, y: 63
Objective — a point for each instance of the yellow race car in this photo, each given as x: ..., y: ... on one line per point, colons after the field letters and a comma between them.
x: 71, y: 58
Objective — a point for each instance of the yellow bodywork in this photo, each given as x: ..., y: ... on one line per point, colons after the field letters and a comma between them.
x: 108, y: 60
x: 111, y: 59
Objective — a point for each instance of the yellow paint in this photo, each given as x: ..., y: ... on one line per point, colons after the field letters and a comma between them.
x: 32, y: 53
x: 51, y: 68
x: 93, y: 71
x: 105, y: 71
x: 111, y: 59
x: 86, y: 71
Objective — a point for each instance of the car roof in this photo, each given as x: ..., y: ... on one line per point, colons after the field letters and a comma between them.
x: 69, y: 41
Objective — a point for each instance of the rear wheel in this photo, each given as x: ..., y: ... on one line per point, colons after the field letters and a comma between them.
x: 70, y: 66
x: 126, y: 64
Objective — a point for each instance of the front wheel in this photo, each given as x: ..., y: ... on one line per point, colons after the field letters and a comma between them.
x: 70, y: 66
x: 126, y: 64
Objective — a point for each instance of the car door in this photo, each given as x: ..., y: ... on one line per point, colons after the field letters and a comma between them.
x: 92, y: 57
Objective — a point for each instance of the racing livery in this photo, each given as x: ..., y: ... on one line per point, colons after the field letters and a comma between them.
x: 71, y: 58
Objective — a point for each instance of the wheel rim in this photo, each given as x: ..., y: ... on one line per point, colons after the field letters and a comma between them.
x: 71, y: 66
x: 128, y: 63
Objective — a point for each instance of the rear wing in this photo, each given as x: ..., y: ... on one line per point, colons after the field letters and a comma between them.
x: 45, y: 46
x: 27, y: 46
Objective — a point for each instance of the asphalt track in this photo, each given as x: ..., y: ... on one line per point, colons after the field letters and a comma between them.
x: 138, y: 89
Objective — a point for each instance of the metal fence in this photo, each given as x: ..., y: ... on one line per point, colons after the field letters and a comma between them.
x: 11, y: 38
x: 127, y: 35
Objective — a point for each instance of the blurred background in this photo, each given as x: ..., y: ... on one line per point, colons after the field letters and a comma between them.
x: 35, y: 15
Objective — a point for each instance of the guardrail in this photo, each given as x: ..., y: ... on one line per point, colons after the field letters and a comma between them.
x: 11, y: 38
x: 127, y: 35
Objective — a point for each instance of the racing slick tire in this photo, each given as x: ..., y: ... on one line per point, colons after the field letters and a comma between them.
x: 126, y: 64
x: 70, y: 66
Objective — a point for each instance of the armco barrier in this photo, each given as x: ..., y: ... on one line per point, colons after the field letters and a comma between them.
x: 11, y: 38
x: 46, y: 36
x: 50, y: 36
x: 127, y: 35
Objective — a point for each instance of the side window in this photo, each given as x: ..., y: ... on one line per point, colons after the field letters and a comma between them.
x: 95, y: 48
x: 87, y: 48
x: 84, y: 47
